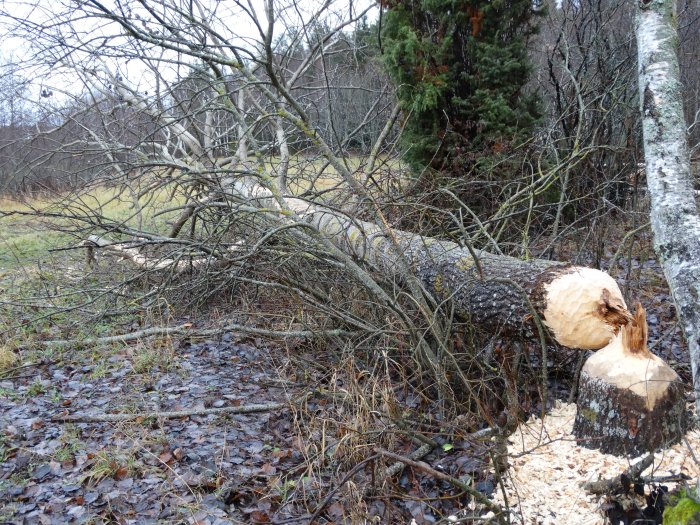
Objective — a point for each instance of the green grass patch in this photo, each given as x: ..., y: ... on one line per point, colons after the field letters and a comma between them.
x: 48, y: 292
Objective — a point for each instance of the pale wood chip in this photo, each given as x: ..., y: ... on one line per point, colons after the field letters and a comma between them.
x: 543, y: 484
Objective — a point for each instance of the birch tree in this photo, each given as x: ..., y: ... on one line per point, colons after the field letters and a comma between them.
x: 674, y: 212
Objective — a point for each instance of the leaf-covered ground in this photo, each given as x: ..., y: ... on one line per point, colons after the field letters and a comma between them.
x: 204, y: 469
x: 235, y: 468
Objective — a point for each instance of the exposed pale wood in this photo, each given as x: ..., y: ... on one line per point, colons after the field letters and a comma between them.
x: 586, y: 296
x: 630, y: 401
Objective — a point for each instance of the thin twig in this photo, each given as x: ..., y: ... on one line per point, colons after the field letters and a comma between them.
x: 335, y: 489
x: 421, y: 465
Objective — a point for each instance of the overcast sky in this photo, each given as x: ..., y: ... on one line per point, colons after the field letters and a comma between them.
x: 230, y: 20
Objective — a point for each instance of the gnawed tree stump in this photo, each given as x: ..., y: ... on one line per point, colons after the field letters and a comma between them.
x: 630, y: 401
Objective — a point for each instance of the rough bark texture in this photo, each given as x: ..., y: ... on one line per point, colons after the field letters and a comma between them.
x: 500, y: 293
x: 617, y: 421
x: 674, y: 214
x: 630, y: 401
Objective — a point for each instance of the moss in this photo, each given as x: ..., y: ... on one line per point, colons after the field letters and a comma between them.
x: 438, y: 284
x: 685, y: 512
x: 464, y: 263
x: 589, y: 414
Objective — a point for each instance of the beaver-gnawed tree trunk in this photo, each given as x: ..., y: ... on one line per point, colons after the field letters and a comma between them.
x: 581, y: 307
x: 630, y: 402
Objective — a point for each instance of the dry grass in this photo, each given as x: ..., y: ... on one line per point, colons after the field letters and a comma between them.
x: 8, y: 358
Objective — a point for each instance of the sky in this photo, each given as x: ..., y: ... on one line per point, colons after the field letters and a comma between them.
x: 40, y: 18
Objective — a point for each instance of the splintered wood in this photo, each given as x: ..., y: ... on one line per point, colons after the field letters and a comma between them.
x: 547, y: 468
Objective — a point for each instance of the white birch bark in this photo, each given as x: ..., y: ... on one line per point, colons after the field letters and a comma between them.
x: 283, y: 167
x: 674, y: 213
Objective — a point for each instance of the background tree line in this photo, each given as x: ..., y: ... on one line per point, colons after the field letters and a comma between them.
x: 486, y: 92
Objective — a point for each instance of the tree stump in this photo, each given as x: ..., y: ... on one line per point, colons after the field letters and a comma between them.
x: 630, y: 401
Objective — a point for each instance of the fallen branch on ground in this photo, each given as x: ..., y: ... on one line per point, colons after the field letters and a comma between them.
x: 421, y: 465
x: 604, y: 486
x: 415, y: 456
x: 113, y: 418
x: 187, y: 329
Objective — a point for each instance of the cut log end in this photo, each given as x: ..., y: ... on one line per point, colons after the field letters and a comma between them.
x: 630, y: 401
x: 584, y: 308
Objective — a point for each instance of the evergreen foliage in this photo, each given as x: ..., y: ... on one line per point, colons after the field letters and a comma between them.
x: 460, y: 67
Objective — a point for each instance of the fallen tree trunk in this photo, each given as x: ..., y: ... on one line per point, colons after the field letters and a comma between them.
x: 581, y: 307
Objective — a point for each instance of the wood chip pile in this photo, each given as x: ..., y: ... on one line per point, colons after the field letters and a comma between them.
x: 547, y: 468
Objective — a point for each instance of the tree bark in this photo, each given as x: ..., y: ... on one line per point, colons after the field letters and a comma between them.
x: 581, y: 307
x: 630, y: 401
x: 674, y: 213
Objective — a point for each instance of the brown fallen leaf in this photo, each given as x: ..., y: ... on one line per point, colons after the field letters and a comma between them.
x: 268, y: 469
x: 259, y: 517
x: 336, y: 510
x: 281, y: 454
x: 121, y: 473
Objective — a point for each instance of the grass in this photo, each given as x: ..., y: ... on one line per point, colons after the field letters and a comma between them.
x: 113, y: 463
x: 158, y: 354
x: 8, y: 358
x: 26, y: 237
x: 71, y: 444
x: 23, y: 238
x: 43, y: 272
x: 42, y: 282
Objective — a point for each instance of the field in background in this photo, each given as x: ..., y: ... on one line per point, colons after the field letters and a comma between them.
x: 27, y: 239
x: 43, y: 267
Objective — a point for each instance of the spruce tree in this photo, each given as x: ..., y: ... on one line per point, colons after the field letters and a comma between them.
x: 460, y: 67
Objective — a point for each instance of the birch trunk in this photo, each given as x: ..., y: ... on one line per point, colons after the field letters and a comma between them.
x: 242, y: 150
x: 674, y: 213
